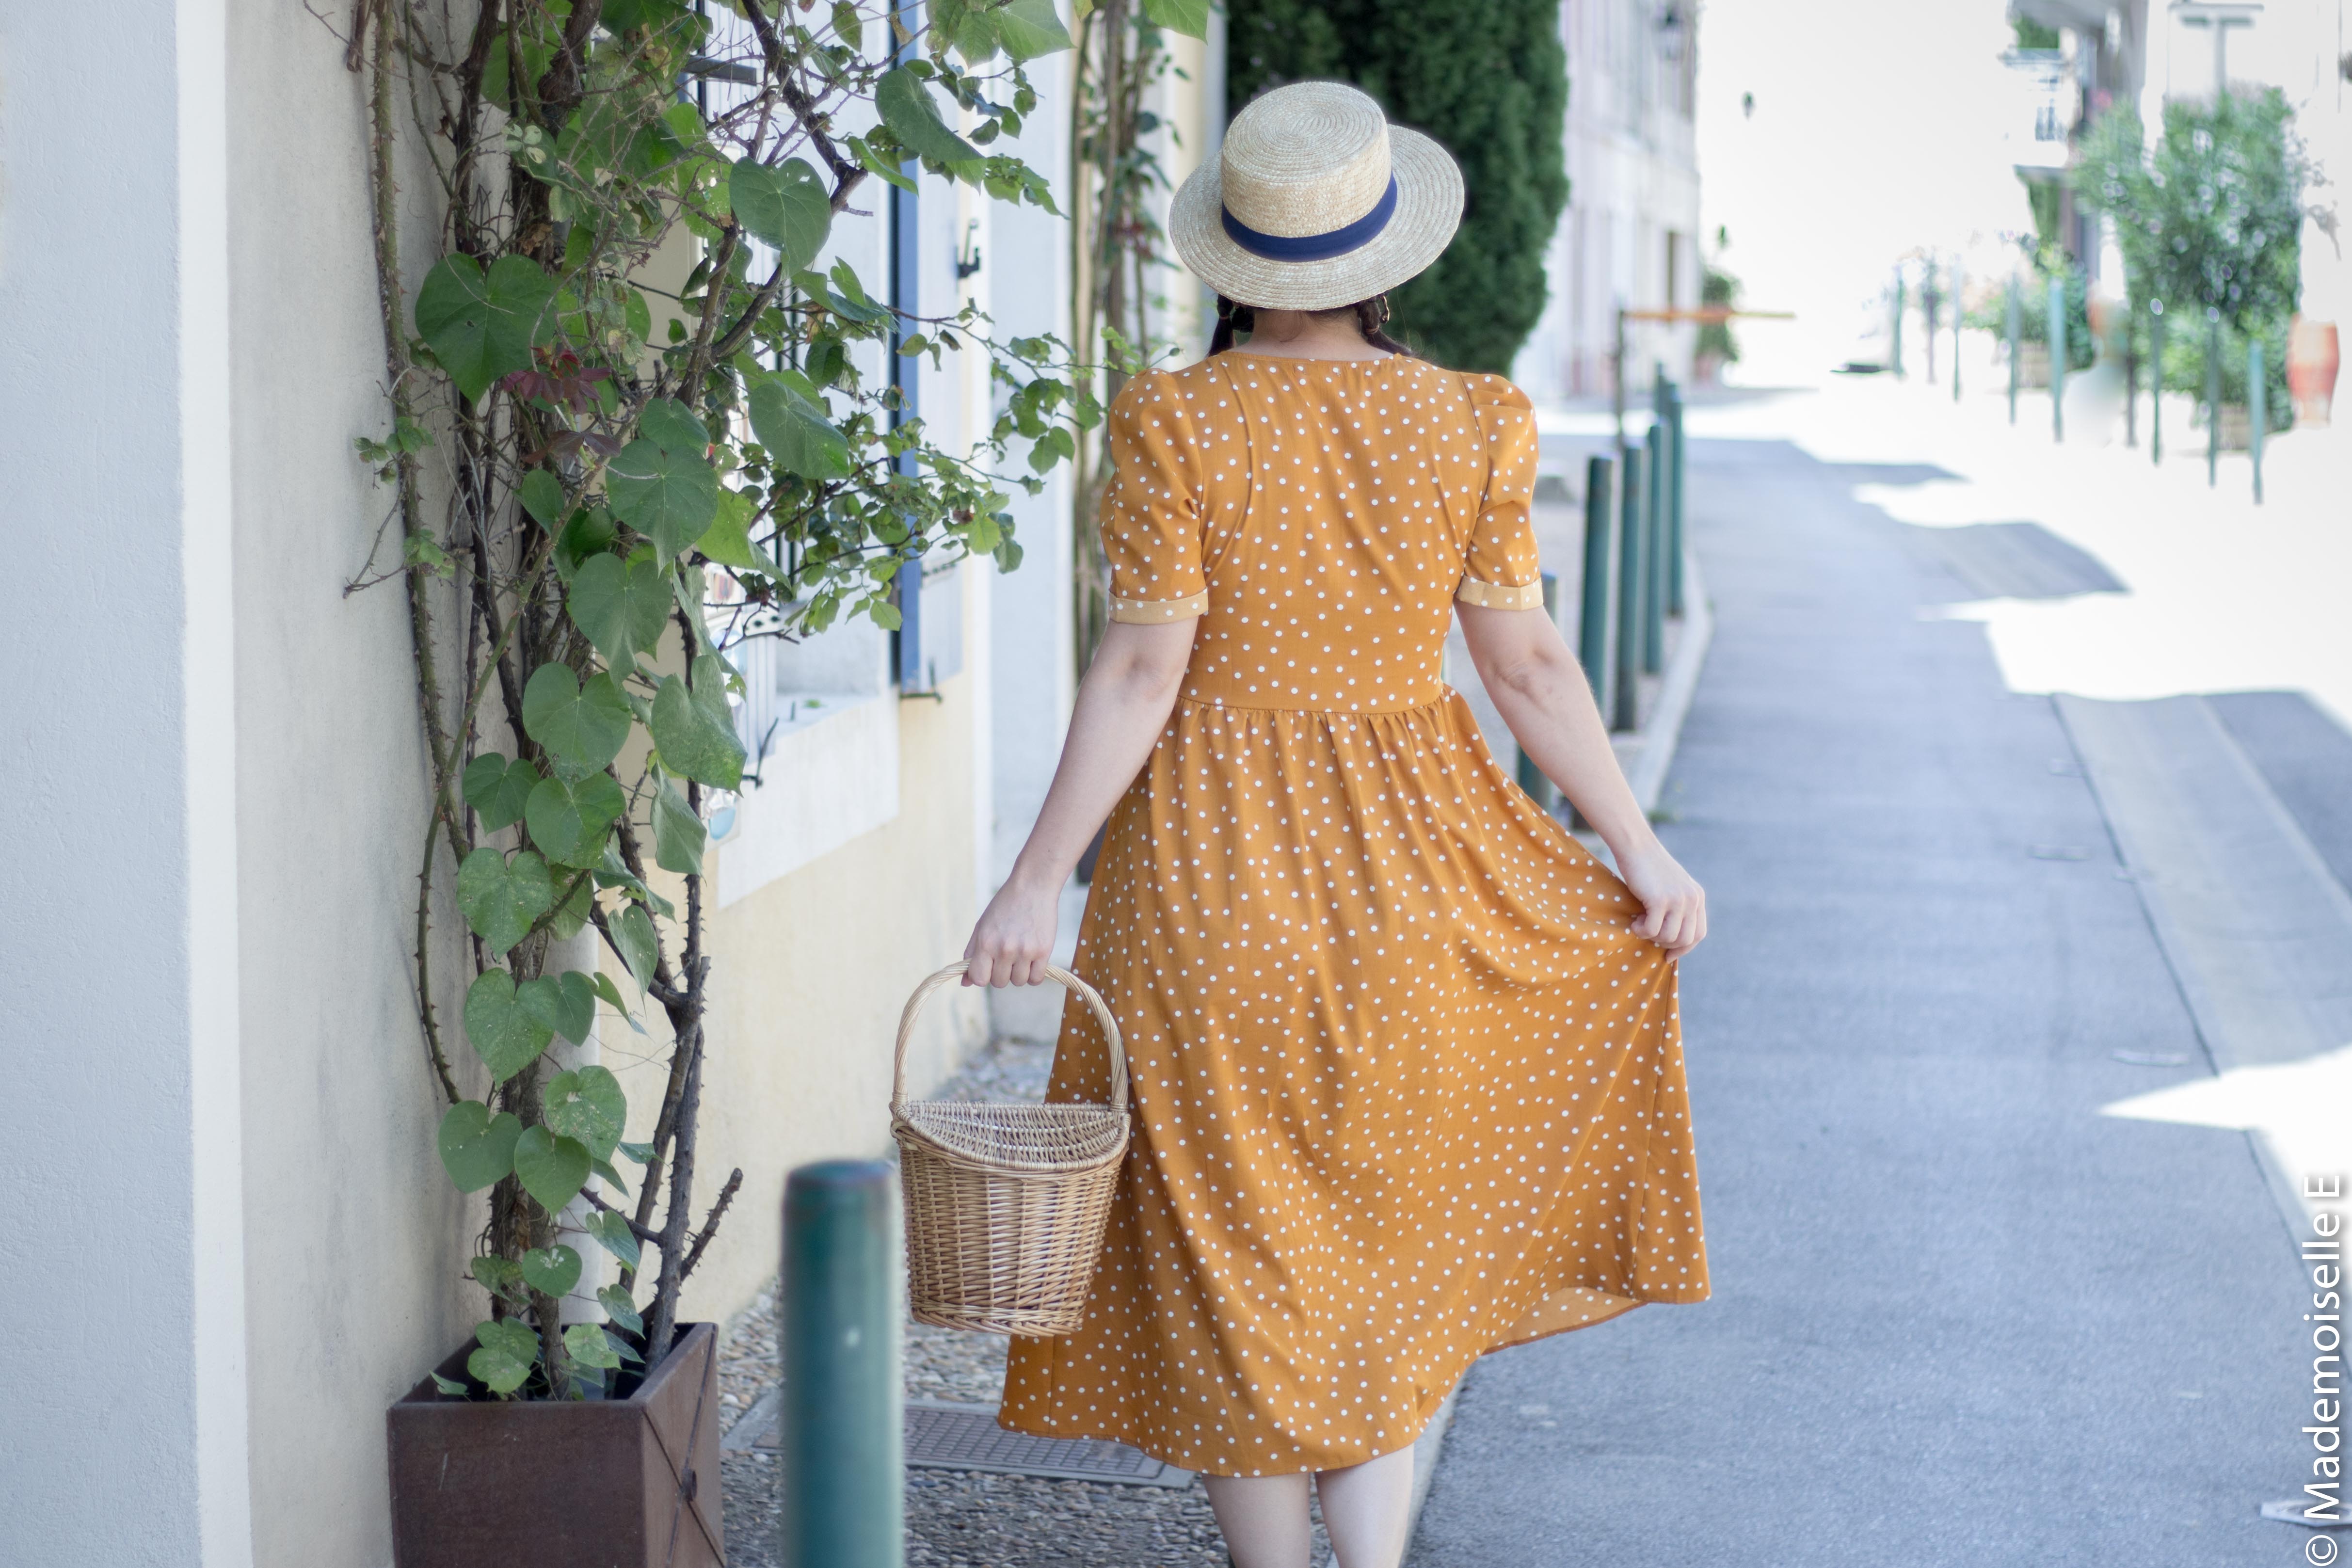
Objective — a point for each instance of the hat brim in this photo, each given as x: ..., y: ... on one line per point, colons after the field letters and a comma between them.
x: 1428, y: 210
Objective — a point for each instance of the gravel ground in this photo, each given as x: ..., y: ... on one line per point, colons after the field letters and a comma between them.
x: 967, y: 1518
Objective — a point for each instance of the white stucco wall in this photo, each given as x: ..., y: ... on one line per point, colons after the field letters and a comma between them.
x: 122, y: 1297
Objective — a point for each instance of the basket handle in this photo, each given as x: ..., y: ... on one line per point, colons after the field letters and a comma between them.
x: 1085, y: 993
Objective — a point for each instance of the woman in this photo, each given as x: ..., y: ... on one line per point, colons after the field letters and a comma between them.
x: 1407, y: 1068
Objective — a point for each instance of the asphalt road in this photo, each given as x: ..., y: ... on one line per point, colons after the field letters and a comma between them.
x: 1959, y: 1316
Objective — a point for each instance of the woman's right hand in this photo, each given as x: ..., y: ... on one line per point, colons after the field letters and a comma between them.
x: 1673, y: 906
x: 1014, y: 941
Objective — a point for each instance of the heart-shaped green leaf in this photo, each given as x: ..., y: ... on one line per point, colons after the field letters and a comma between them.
x: 668, y: 496
x: 612, y: 994
x: 673, y: 426
x: 505, y: 1035
x: 679, y: 834
x: 621, y: 606
x: 569, y: 818
x: 585, y: 724
x: 967, y: 26
x: 786, y: 207
x: 542, y: 494
x: 508, y: 1351
x: 550, y: 1169
x: 551, y: 1270
x: 799, y: 436
x: 589, y: 532
x: 728, y: 540
x: 642, y: 1153
x: 606, y: 1169
x: 499, y: 1275
x: 1190, y: 18
x: 497, y: 788
x: 693, y: 742
x: 476, y: 1147
x: 482, y: 326
x: 611, y: 1232
x: 588, y: 1345
x: 565, y: 922
x: 906, y: 107
x: 501, y: 898
x: 564, y: 1003
x: 633, y: 935
x: 620, y: 1308
x: 1028, y: 28
x: 587, y: 1104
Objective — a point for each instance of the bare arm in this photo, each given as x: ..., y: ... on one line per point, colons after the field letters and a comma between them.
x: 1540, y: 691
x: 1123, y: 704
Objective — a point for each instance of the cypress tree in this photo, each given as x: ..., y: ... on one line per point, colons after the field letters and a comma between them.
x: 1489, y: 81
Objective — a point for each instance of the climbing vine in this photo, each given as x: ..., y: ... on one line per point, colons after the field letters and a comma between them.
x: 641, y: 407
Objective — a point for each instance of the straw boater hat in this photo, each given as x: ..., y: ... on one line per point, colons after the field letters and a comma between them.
x: 1316, y: 202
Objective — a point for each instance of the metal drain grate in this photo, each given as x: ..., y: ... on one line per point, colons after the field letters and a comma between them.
x: 944, y: 1436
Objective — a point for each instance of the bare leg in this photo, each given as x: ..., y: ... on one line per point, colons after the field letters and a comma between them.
x: 1364, y: 1508
x: 1263, y: 1519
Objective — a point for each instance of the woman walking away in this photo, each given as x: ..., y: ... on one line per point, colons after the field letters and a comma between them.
x: 1408, y: 1078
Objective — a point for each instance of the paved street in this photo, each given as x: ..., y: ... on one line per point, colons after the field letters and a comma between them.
x: 1960, y: 1316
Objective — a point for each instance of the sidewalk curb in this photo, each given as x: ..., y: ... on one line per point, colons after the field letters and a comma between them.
x: 1648, y: 752
x: 2252, y: 924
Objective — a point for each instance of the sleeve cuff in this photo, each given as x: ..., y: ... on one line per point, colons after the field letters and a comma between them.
x: 1153, y: 610
x: 1500, y: 595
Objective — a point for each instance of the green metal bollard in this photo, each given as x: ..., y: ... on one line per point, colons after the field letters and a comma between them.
x: 1897, y: 355
x: 2212, y: 398
x: 1678, y: 475
x: 2257, y: 411
x: 1653, y: 552
x: 841, y: 1427
x: 1629, y: 593
x: 2057, y: 314
x: 1957, y: 278
x: 1532, y: 777
x: 2155, y: 382
x: 1600, y: 538
x: 2016, y: 325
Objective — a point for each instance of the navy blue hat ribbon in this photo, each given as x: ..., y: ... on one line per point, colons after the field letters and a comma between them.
x: 1315, y: 246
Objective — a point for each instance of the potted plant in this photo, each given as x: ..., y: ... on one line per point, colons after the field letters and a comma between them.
x: 584, y: 515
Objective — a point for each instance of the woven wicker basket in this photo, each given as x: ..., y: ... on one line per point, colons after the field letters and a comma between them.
x: 1005, y: 1204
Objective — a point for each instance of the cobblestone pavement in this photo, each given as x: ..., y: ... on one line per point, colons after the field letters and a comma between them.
x: 967, y: 1518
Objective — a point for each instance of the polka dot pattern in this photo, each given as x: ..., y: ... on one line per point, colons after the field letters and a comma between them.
x: 1408, y: 1088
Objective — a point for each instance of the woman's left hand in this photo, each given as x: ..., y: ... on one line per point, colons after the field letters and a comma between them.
x: 1014, y: 941
x: 1673, y: 906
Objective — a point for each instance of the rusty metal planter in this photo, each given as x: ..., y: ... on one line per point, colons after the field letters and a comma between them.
x: 570, y: 1484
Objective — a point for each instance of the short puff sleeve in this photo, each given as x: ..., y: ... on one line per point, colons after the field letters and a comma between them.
x: 1151, y: 515
x: 1500, y: 570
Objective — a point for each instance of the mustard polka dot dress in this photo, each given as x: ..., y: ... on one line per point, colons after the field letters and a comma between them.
x: 1407, y: 1086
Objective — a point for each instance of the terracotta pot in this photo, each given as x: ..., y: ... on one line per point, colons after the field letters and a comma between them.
x: 2311, y: 354
x: 563, y: 1484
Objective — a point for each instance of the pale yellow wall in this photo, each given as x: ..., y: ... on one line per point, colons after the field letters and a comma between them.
x: 355, y: 1242
x: 807, y: 978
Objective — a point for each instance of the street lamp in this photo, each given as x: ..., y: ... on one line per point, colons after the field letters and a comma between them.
x: 2220, y: 16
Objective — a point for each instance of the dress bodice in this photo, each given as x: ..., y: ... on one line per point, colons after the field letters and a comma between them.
x: 1320, y: 517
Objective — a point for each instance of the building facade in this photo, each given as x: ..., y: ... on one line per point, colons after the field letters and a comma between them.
x: 1630, y: 238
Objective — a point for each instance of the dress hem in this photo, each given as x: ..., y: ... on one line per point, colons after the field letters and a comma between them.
x: 1114, y: 1431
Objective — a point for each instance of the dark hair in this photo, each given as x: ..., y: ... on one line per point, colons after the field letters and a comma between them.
x: 1371, y: 315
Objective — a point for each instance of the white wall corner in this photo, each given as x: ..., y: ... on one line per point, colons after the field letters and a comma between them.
x: 208, y: 684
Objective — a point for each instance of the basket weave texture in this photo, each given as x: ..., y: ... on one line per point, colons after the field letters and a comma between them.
x: 1006, y: 1204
